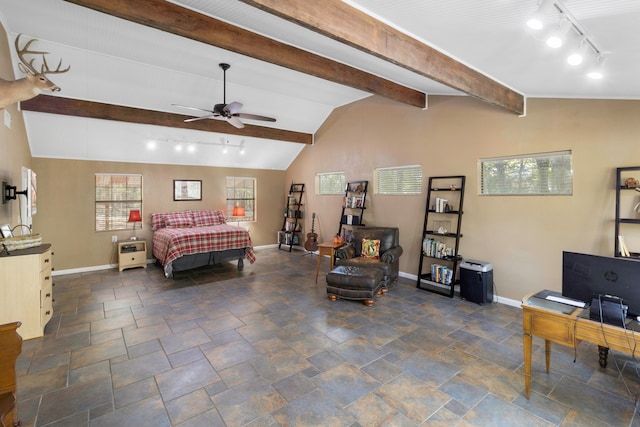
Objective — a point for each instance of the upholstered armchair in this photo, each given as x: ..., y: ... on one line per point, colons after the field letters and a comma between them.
x: 388, y: 256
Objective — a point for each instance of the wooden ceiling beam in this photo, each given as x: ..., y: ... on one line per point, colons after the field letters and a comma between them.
x: 346, y: 24
x: 96, y: 110
x: 171, y: 18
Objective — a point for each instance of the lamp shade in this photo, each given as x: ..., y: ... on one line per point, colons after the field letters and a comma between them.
x: 238, y: 211
x: 134, y: 216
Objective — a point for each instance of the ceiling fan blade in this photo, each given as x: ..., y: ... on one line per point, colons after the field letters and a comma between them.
x: 193, y: 119
x: 233, y: 108
x: 192, y: 108
x: 236, y: 122
x: 255, y: 117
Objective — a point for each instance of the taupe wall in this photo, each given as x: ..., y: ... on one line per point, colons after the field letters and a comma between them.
x: 523, y: 237
x: 66, y: 204
x: 14, y: 148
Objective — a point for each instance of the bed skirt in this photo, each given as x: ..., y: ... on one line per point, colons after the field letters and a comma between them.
x: 188, y: 262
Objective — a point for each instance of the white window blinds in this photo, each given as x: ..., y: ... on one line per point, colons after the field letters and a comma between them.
x: 116, y: 195
x: 532, y: 174
x: 400, y: 180
x: 330, y: 183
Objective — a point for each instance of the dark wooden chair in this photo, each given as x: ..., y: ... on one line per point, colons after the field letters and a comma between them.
x: 10, y: 348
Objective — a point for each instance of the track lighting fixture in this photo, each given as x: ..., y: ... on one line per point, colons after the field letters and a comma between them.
x: 597, y: 69
x: 568, y: 28
x: 578, y: 53
x: 192, y: 147
x: 539, y: 18
x: 558, y: 35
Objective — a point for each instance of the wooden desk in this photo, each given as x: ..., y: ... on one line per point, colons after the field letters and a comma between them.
x: 562, y: 324
x: 326, y: 248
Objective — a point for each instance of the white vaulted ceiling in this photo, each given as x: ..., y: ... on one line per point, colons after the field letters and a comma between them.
x: 119, y: 62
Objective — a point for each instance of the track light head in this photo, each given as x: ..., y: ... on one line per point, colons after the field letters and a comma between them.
x: 538, y: 20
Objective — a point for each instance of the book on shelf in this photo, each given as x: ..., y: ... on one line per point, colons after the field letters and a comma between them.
x: 624, y: 251
x: 353, y: 202
x: 434, y: 248
x: 441, y: 205
x: 441, y: 274
x: 351, y: 219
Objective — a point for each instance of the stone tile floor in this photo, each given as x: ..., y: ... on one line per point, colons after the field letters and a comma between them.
x: 265, y: 347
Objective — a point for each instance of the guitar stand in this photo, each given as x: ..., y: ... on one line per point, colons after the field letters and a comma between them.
x: 306, y: 252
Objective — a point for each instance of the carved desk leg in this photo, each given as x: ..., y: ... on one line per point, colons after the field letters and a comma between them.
x: 603, y: 352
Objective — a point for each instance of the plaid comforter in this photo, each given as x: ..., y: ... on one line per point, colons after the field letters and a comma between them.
x: 172, y: 243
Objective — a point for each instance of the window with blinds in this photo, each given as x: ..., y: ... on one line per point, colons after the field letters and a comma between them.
x: 116, y: 195
x: 400, y: 180
x: 330, y: 183
x: 531, y: 174
x: 241, y: 192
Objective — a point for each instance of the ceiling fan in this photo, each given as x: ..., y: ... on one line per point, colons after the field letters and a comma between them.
x: 229, y: 112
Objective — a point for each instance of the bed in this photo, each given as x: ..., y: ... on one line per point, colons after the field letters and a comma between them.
x: 191, y: 239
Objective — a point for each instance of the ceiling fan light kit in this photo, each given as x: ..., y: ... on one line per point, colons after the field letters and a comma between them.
x: 229, y: 112
x: 567, y: 31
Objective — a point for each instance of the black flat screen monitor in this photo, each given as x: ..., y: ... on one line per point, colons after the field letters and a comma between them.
x: 584, y: 276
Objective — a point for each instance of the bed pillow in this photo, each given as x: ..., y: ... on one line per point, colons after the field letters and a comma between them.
x: 207, y: 218
x: 370, y: 248
x: 158, y: 221
x: 179, y: 220
x: 219, y: 218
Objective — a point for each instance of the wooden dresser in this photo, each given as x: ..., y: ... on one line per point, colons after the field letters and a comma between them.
x: 26, y: 289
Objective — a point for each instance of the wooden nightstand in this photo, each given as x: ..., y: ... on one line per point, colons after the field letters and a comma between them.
x: 131, y: 254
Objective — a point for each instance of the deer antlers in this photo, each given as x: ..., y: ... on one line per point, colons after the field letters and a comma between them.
x: 35, y: 81
x: 29, y: 64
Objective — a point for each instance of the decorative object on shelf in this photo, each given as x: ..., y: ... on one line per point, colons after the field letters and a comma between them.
x: 631, y: 183
x: 36, y: 81
x: 187, y: 189
x: 134, y: 217
x: 441, y: 277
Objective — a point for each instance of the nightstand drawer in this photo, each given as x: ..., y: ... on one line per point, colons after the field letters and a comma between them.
x: 133, y: 258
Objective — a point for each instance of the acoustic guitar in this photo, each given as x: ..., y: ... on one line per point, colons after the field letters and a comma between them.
x: 311, y: 244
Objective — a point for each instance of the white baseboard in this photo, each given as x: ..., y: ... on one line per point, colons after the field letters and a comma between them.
x: 498, y: 299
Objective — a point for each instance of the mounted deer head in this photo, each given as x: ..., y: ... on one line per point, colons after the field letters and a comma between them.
x: 35, y: 81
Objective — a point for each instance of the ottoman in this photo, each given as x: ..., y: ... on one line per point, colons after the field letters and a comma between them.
x: 355, y: 283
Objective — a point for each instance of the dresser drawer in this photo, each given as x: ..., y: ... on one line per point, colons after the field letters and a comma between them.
x: 45, y: 278
x: 46, y: 305
x: 45, y: 260
x: 46, y: 297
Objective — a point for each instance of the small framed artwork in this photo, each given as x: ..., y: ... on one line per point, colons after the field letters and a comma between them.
x: 5, y: 231
x: 187, y: 189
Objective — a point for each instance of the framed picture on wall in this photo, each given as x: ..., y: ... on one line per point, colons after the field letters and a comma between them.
x: 187, y: 189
